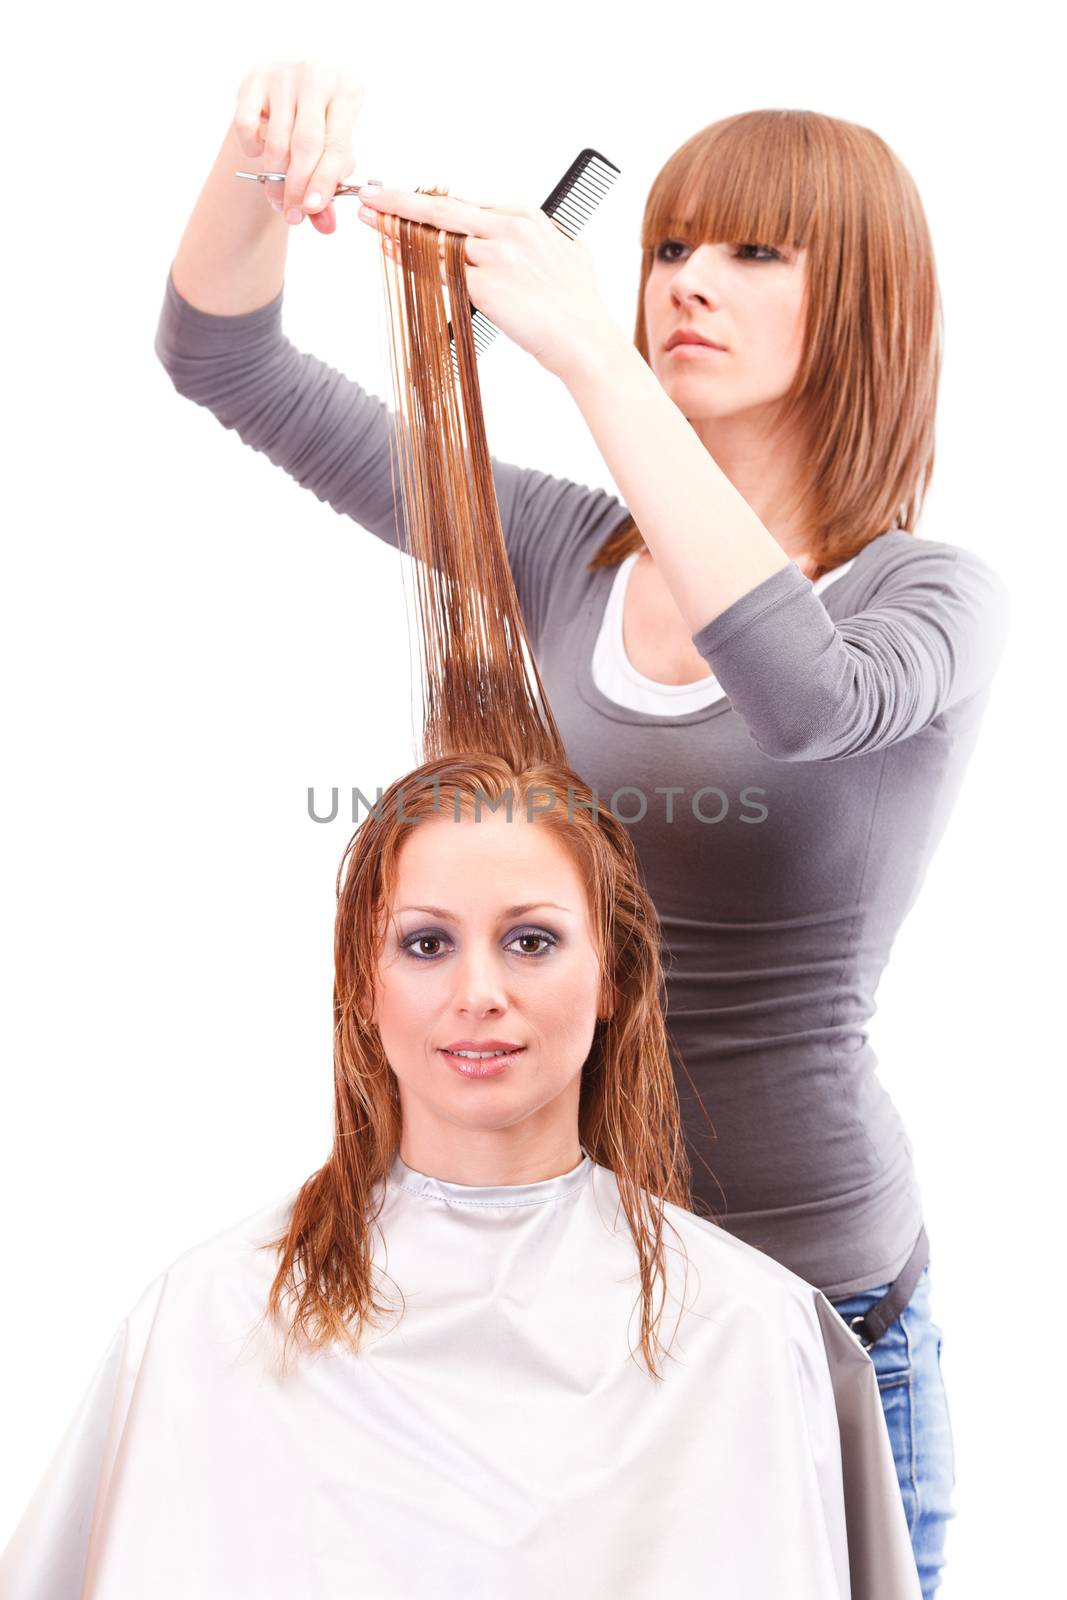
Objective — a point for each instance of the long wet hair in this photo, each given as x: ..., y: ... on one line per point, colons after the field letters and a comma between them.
x: 864, y: 396
x: 490, y: 740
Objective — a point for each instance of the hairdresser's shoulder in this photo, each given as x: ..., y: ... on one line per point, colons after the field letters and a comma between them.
x: 900, y: 558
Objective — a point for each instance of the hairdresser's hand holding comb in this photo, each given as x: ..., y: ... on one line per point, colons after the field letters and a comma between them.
x: 523, y: 272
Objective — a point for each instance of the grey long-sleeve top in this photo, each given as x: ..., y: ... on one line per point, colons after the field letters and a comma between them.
x: 783, y: 830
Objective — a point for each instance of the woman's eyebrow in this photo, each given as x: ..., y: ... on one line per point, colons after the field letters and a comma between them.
x: 509, y: 911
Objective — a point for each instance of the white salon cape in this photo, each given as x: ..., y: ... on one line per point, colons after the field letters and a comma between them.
x: 495, y: 1437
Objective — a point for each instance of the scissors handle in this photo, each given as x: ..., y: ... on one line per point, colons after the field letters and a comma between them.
x: 279, y: 177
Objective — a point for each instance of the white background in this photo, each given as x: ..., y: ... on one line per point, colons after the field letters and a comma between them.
x: 190, y: 641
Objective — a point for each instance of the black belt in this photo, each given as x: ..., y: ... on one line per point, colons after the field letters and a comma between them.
x: 871, y: 1325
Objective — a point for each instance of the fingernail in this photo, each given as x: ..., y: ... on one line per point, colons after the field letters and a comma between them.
x: 276, y: 205
x: 312, y: 201
x: 294, y: 214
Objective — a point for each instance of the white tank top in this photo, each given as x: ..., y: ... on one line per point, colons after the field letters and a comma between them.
x: 615, y: 675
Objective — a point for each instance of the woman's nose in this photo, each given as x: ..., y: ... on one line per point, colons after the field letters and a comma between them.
x: 479, y: 982
x: 695, y: 279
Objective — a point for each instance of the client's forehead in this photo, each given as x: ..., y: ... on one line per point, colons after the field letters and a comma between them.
x: 491, y: 866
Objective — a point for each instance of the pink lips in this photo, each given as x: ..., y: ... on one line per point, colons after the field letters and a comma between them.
x: 488, y: 1067
x: 695, y: 350
x: 481, y: 1044
x: 689, y: 339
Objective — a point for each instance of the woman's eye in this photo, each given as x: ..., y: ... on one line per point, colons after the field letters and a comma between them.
x: 769, y: 252
x: 415, y: 940
x: 420, y: 939
x: 540, y: 938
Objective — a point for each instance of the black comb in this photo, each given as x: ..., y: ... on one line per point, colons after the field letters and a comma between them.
x: 570, y: 205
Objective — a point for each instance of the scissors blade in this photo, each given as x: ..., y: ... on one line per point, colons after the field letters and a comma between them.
x: 279, y: 177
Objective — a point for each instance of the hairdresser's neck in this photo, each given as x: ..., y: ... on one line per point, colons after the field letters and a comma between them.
x: 762, y: 470
x: 701, y: 505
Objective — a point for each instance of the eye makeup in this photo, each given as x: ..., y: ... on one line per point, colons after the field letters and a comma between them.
x: 410, y: 940
x: 770, y: 252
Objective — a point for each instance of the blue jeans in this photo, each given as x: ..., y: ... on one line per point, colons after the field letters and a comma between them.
x: 907, y: 1362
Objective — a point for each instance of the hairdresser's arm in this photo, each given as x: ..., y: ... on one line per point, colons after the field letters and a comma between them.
x: 320, y: 427
x: 325, y: 430
x: 231, y: 258
x: 220, y: 339
x: 929, y: 636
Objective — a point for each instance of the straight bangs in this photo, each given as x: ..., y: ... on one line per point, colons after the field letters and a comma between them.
x: 725, y: 186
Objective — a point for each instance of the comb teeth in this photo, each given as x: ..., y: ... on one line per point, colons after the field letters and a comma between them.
x: 580, y: 190
x: 570, y: 205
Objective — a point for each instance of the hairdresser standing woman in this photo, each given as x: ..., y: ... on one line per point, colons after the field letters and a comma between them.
x: 776, y: 682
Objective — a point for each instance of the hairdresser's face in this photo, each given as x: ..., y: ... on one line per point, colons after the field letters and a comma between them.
x: 477, y: 968
x: 743, y: 297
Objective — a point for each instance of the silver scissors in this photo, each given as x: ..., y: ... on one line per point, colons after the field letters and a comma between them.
x: 279, y: 177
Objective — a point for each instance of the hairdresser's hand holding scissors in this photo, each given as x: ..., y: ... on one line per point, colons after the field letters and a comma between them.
x: 523, y: 272
x: 297, y: 117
